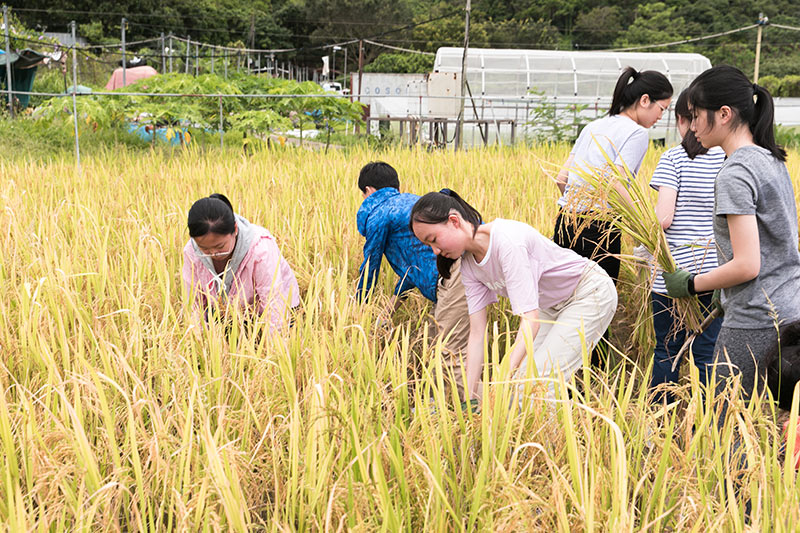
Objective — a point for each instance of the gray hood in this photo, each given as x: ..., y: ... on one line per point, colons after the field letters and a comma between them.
x: 243, y: 241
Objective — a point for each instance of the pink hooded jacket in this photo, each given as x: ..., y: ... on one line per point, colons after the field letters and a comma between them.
x: 262, y: 280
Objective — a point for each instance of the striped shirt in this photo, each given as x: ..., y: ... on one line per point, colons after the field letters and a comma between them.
x: 691, y: 234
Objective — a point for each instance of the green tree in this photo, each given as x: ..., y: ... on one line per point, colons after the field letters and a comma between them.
x: 598, y: 26
x: 402, y: 62
x: 654, y: 23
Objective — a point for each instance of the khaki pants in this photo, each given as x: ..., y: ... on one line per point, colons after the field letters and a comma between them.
x: 558, y: 345
x: 452, y: 324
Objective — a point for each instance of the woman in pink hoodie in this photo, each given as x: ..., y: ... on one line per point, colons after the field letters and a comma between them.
x: 230, y: 262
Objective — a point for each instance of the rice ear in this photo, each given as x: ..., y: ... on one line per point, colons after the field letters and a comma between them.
x: 637, y: 220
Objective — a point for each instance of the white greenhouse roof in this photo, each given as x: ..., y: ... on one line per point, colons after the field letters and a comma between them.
x: 557, y: 73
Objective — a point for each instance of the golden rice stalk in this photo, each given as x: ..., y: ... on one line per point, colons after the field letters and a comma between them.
x: 636, y: 219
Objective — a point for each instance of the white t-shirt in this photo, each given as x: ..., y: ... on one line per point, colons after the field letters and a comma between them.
x: 621, y: 139
x: 524, y: 266
x: 691, y: 234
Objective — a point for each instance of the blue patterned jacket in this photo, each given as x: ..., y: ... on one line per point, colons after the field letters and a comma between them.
x: 383, y: 219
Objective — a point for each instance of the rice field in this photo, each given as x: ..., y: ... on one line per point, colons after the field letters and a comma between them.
x: 117, y: 414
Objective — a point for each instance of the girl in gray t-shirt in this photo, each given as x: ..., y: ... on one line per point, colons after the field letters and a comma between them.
x: 755, y: 224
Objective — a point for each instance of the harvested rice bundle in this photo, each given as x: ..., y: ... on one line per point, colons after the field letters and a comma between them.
x: 616, y: 196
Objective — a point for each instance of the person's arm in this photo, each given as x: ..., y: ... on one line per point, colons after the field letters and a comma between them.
x: 528, y: 329
x: 620, y: 187
x: 272, y: 298
x: 665, y: 207
x: 667, y: 181
x: 190, y: 283
x: 373, y: 255
x: 563, y: 175
x: 474, y: 362
x: 746, y: 262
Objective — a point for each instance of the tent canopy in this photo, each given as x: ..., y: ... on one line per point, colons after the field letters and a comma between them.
x: 23, y: 71
x: 132, y: 75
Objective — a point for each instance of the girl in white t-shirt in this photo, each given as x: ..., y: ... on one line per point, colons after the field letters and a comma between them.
x: 639, y: 100
x: 558, y: 294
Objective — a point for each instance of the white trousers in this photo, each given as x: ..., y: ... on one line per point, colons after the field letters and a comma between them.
x: 558, y: 346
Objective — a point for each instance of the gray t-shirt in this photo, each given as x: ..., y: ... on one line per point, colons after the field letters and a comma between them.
x: 753, y: 182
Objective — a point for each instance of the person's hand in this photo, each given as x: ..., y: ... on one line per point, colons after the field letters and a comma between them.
x: 716, y: 302
x: 678, y: 283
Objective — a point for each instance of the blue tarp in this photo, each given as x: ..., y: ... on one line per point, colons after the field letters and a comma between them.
x: 146, y: 132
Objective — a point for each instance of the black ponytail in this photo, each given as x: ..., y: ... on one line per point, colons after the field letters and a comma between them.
x: 213, y: 214
x: 763, y: 126
x: 728, y: 86
x: 690, y: 143
x: 435, y: 208
x: 632, y: 85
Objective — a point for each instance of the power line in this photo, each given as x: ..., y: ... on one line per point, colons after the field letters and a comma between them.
x: 781, y: 26
x: 399, y: 49
x: 684, y: 41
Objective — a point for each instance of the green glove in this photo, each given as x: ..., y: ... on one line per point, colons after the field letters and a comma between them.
x: 716, y: 301
x: 678, y: 283
x: 473, y: 406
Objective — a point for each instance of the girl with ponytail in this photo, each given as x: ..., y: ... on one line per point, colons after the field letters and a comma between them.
x: 755, y: 225
x: 559, y: 295
x: 639, y: 100
x: 230, y: 262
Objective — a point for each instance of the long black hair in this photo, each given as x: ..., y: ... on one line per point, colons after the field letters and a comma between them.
x: 690, y: 143
x: 632, y: 85
x: 728, y: 86
x: 435, y: 208
x: 213, y: 214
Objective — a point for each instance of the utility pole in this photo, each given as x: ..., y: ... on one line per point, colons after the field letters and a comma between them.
x: 460, y: 123
x: 188, y: 50
x: 124, y: 64
x: 163, y: 57
x: 360, y: 72
x: 360, y: 65
x: 251, y: 38
x: 762, y: 21
x: 170, y: 52
x: 333, y: 62
x: 345, y: 67
x: 8, y: 63
x: 74, y: 89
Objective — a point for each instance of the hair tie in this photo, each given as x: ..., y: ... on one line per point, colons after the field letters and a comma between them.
x: 445, y: 191
x: 634, y: 77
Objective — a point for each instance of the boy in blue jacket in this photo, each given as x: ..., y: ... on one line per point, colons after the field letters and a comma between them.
x: 383, y: 219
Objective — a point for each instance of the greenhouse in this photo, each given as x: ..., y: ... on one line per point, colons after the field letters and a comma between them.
x: 556, y: 73
x: 535, y: 94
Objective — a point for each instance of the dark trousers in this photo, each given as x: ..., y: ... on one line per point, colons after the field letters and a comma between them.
x: 599, y: 241
x: 669, y: 341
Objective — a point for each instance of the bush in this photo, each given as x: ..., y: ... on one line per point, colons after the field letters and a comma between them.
x: 787, y: 86
x: 772, y: 84
x: 787, y: 136
x: 790, y: 86
x: 242, y: 115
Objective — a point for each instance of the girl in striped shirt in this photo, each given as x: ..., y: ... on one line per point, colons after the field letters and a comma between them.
x: 684, y: 179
